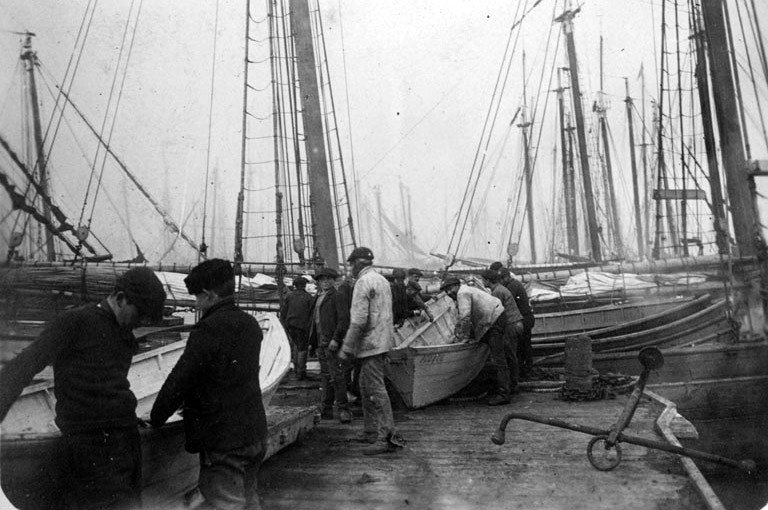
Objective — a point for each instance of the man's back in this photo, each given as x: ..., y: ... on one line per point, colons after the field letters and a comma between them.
x: 480, y: 307
x: 296, y: 309
x: 518, y: 291
x: 217, y: 379
x: 505, y: 296
x: 91, y: 355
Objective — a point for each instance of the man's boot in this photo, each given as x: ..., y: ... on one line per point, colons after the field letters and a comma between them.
x: 344, y: 415
x: 504, y: 387
x: 301, y: 370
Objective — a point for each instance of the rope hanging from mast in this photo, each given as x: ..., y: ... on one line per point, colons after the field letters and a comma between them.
x: 202, y: 252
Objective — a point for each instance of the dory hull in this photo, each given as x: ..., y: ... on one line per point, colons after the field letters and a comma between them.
x: 712, y: 320
x: 590, y: 319
x: 424, y: 375
x: 428, y: 365
x: 31, y: 443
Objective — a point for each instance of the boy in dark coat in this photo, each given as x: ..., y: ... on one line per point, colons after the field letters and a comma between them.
x: 329, y: 323
x: 217, y: 382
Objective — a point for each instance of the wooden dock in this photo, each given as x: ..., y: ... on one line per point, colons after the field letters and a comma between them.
x: 449, y: 462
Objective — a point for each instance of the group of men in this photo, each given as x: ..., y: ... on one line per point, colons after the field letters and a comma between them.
x: 352, y: 322
x: 215, y: 382
x: 497, y: 312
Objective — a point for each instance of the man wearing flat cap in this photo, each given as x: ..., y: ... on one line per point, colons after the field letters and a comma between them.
x: 91, y: 349
x: 481, y: 318
x: 216, y: 380
x: 369, y: 337
x: 330, y: 320
x: 295, y: 316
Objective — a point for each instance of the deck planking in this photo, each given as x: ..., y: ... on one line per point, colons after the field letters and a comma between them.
x: 449, y: 462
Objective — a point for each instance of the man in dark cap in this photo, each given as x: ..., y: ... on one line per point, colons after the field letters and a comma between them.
x: 91, y: 349
x: 513, y: 330
x: 524, y: 346
x: 369, y: 337
x: 216, y: 380
x: 295, y: 316
x: 330, y: 320
x: 400, y: 310
x: 415, y: 304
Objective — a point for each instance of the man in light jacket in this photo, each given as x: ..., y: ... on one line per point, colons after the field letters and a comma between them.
x: 369, y: 337
x: 482, y: 318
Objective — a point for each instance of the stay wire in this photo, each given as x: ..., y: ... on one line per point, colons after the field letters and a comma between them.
x: 201, y: 252
x: 117, y: 102
x: 491, y: 117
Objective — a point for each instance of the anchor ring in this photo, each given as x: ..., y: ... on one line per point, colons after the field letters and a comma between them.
x: 603, y: 462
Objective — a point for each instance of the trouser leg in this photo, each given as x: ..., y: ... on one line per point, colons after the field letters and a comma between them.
x: 337, y: 370
x: 299, y: 344
x: 513, y: 331
x: 104, y: 469
x: 324, y: 356
x: 228, y: 480
x: 377, y: 409
x: 495, y: 338
x: 524, y: 347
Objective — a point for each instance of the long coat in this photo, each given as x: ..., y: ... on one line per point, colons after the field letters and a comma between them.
x: 217, y: 380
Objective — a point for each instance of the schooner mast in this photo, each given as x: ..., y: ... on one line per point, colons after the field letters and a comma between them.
x: 319, y: 182
x: 525, y: 125
x: 731, y: 140
x: 569, y: 184
x: 30, y: 61
x: 566, y: 18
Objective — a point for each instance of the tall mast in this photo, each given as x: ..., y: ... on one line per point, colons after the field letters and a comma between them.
x: 238, y: 255
x: 662, y: 193
x: 731, y: 140
x: 324, y: 230
x: 30, y: 61
x: 644, y: 155
x: 601, y: 108
x: 567, y: 20
x: 702, y: 84
x: 571, y: 204
x: 568, y: 184
x: 635, y: 184
x: 524, y: 125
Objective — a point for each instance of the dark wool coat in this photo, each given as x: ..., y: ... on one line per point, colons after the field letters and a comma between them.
x: 217, y: 381
x: 91, y: 355
x: 334, y: 318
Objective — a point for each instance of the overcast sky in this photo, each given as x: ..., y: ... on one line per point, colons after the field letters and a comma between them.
x: 412, y: 82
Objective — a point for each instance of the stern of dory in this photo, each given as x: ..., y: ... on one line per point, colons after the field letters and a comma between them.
x: 30, y: 451
x: 428, y: 365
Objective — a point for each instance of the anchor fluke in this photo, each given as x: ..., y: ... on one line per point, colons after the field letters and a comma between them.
x: 499, y: 437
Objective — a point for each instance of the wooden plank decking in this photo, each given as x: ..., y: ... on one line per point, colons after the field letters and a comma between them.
x: 449, y: 462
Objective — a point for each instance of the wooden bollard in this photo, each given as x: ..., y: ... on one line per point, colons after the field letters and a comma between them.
x: 578, y: 363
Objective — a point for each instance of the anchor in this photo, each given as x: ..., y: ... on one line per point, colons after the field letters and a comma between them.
x: 607, y: 441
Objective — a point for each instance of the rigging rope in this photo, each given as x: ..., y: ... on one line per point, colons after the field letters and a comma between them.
x: 167, y: 219
x: 116, y: 108
x: 92, y: 7
x: 355, y: 190
x: 752, y: 74
x: 475, y: 170
x: 201, y: 253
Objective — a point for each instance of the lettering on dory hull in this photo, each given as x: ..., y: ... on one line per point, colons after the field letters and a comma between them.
x: 430, y: 359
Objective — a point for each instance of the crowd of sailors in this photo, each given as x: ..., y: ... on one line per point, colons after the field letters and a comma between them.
x: 348, y: 323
